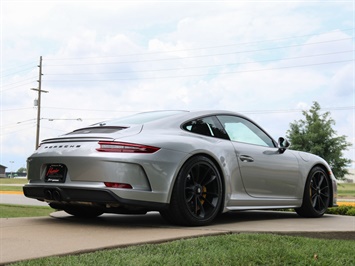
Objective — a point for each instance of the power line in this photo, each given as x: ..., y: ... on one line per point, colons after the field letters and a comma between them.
x: 91, y: 110
x: 15, y: 109
x: 15, y: 67
x: 197, y: 56
x: 204, y: 66
x: 11, y: 84
x: 20, y: 130
x: 205, y: 48
x: 338, y: 108
x: 207, y: 74
x: 32, y: 122
x: 13, y: 87
x: 341, y: 108
x: 192, y: 67
x: 17, y: 71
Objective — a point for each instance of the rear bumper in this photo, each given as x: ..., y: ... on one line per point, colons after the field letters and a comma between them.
x: 61, y: 195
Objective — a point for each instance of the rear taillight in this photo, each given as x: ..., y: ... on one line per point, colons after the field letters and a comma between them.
x: 114, y: 146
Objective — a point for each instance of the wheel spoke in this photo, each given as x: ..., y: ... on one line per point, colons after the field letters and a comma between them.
x: 210, y: 180
x: 197, y: 173
x: 209, y: 203
x: 319, y: 191
x: 204, y: 175
x: 313, y: 185
x: 314, y: 200
x: 189, y: 189
x: 189, y: 197
x: 213, y: 194
x: 200, y: 175
x: 324, y: 191
x: 320, y: 181
x: 201, y: 208
x: 189, y: 193
x: 324, y: 188
x: 324, y: 195
x: 199, y: 189
x: 321, y: 204
x: 191, y: 177
x: 195, y: 207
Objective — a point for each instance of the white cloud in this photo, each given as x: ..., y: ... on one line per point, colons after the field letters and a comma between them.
x: 141, y: 56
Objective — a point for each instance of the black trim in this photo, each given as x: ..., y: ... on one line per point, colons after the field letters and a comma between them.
x: 73, y: 195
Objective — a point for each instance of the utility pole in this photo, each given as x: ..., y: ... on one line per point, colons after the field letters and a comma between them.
x: 39, y: 89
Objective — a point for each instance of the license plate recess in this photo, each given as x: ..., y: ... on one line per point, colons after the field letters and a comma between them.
x: 56, y: 173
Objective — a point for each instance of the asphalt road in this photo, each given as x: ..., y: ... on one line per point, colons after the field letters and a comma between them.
x: 19, y: 198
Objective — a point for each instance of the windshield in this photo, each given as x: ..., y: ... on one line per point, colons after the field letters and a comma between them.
x: 139, y: 118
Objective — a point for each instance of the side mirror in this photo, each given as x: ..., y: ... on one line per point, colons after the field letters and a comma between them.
x: 283, y: 144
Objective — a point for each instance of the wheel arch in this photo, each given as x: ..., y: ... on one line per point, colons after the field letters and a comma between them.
x: 328, y: 172
x: 215, y: 162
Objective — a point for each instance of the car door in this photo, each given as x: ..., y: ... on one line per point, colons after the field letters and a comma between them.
x: 265, y: 171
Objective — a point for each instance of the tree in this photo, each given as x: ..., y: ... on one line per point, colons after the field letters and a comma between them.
x: 22, y: 170
x: 315, y: 134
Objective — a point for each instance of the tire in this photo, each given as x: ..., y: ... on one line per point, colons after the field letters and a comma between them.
x: 317, y: 194
x: 197, y: 194
x: 83, y: 211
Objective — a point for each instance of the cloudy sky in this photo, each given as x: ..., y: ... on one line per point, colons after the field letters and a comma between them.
x: 103, y: 59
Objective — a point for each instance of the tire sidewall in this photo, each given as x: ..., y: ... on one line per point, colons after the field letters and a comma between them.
x: 307, y: 208
x: 179, y: 191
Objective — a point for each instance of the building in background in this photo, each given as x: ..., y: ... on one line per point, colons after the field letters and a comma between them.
x: 2, y: 171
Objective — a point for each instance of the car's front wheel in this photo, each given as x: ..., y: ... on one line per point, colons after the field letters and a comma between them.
x: 197, y: 195
x: 317, y: 194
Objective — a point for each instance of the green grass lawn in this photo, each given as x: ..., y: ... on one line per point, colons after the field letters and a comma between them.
x: 12, y: 184
x: 7, y: 181
x: 13, y: 211
x: 232, y: 249
x: 10, y: 188
x: 346, y: 189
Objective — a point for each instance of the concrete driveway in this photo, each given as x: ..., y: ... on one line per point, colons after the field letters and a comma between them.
x: 64, y: 234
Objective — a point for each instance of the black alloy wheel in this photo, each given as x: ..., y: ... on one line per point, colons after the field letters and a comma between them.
x: 197, y: 194
x: 317, y: 194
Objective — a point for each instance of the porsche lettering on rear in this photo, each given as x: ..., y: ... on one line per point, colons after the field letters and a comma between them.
x: 61, y: 146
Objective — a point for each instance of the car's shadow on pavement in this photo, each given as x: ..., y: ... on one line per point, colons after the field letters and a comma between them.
x: 279, y: 222
x: 153, y: 219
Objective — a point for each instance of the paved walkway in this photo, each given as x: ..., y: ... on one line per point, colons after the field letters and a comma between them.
x: 28, y: 238
x: 64, y: 234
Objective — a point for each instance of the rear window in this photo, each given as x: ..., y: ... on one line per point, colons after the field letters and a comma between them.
x: 140, y: 118
x: 96, y: 130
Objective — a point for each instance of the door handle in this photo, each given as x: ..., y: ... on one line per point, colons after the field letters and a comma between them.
x: 246, y: 158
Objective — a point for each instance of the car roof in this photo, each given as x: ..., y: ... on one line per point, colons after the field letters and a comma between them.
x: 163, y: 116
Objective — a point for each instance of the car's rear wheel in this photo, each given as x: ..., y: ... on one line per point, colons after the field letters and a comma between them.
x: 317, y: 194
x: 83, y: 211
x: 197, y: 195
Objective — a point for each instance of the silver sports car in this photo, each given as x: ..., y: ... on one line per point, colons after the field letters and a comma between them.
x: 189, y: 166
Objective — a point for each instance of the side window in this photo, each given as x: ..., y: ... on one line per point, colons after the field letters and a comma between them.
x: 208, y: 126
x: 242, y: 130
